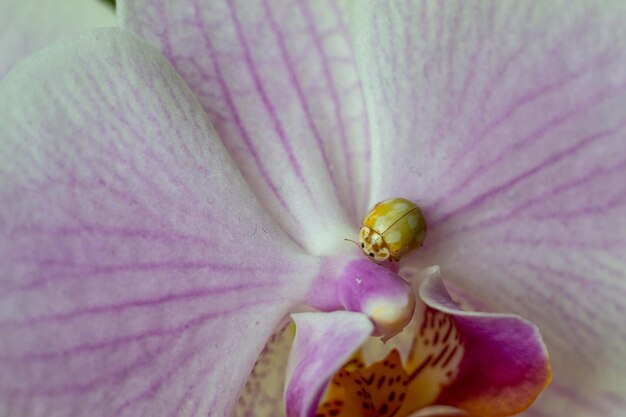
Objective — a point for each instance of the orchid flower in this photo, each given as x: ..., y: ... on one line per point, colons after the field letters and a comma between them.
x: 173, y: 190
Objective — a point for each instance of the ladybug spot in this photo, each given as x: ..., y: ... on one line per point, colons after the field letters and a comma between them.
x: 362, y: 245
x: 371, y: 254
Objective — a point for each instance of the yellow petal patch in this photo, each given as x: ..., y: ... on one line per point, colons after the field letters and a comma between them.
x: 359, y: 391
x: 391, y: 388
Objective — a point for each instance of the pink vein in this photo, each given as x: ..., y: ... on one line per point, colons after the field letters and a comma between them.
x: 282, y: 136
x: 293, y: 78
x: 536, y: 135
x: 198, y: 293
x: 334, y: 100
x: 234, y: 111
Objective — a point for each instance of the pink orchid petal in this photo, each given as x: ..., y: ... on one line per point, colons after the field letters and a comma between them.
x: 323, y: 343
x: 505, y: 363
x: 506, y: 122
x: 140, y: 277
x: 29, y: 25
x: 278, y: 81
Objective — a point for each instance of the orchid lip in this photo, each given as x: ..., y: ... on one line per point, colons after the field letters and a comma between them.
x: 442, y: 352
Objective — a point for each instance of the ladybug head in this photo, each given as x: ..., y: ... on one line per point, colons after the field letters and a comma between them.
x: 373, y: 245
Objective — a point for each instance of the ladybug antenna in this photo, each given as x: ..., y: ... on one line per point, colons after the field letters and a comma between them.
x: 355, y: 242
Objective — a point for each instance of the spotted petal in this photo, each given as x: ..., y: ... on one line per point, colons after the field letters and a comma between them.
x: 29, y: 25
x: 135, y: 260
x: 506, y: 121
x: 503, y: 364
x: 278, y: 81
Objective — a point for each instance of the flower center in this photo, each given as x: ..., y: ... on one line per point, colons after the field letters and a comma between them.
x: 391, y: 388
x: 375, y: 390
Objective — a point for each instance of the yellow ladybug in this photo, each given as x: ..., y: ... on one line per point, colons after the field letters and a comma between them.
x: 392, y: 229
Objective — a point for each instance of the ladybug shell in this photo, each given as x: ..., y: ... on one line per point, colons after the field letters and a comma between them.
x: 401, y: 224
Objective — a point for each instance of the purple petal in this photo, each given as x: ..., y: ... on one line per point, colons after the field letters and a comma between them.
x: 139, y: 275
x: 279, y: 83
x: 29, y: 25
x: 506, y: 123
x: 504, y: 365
x: 323, y: 343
